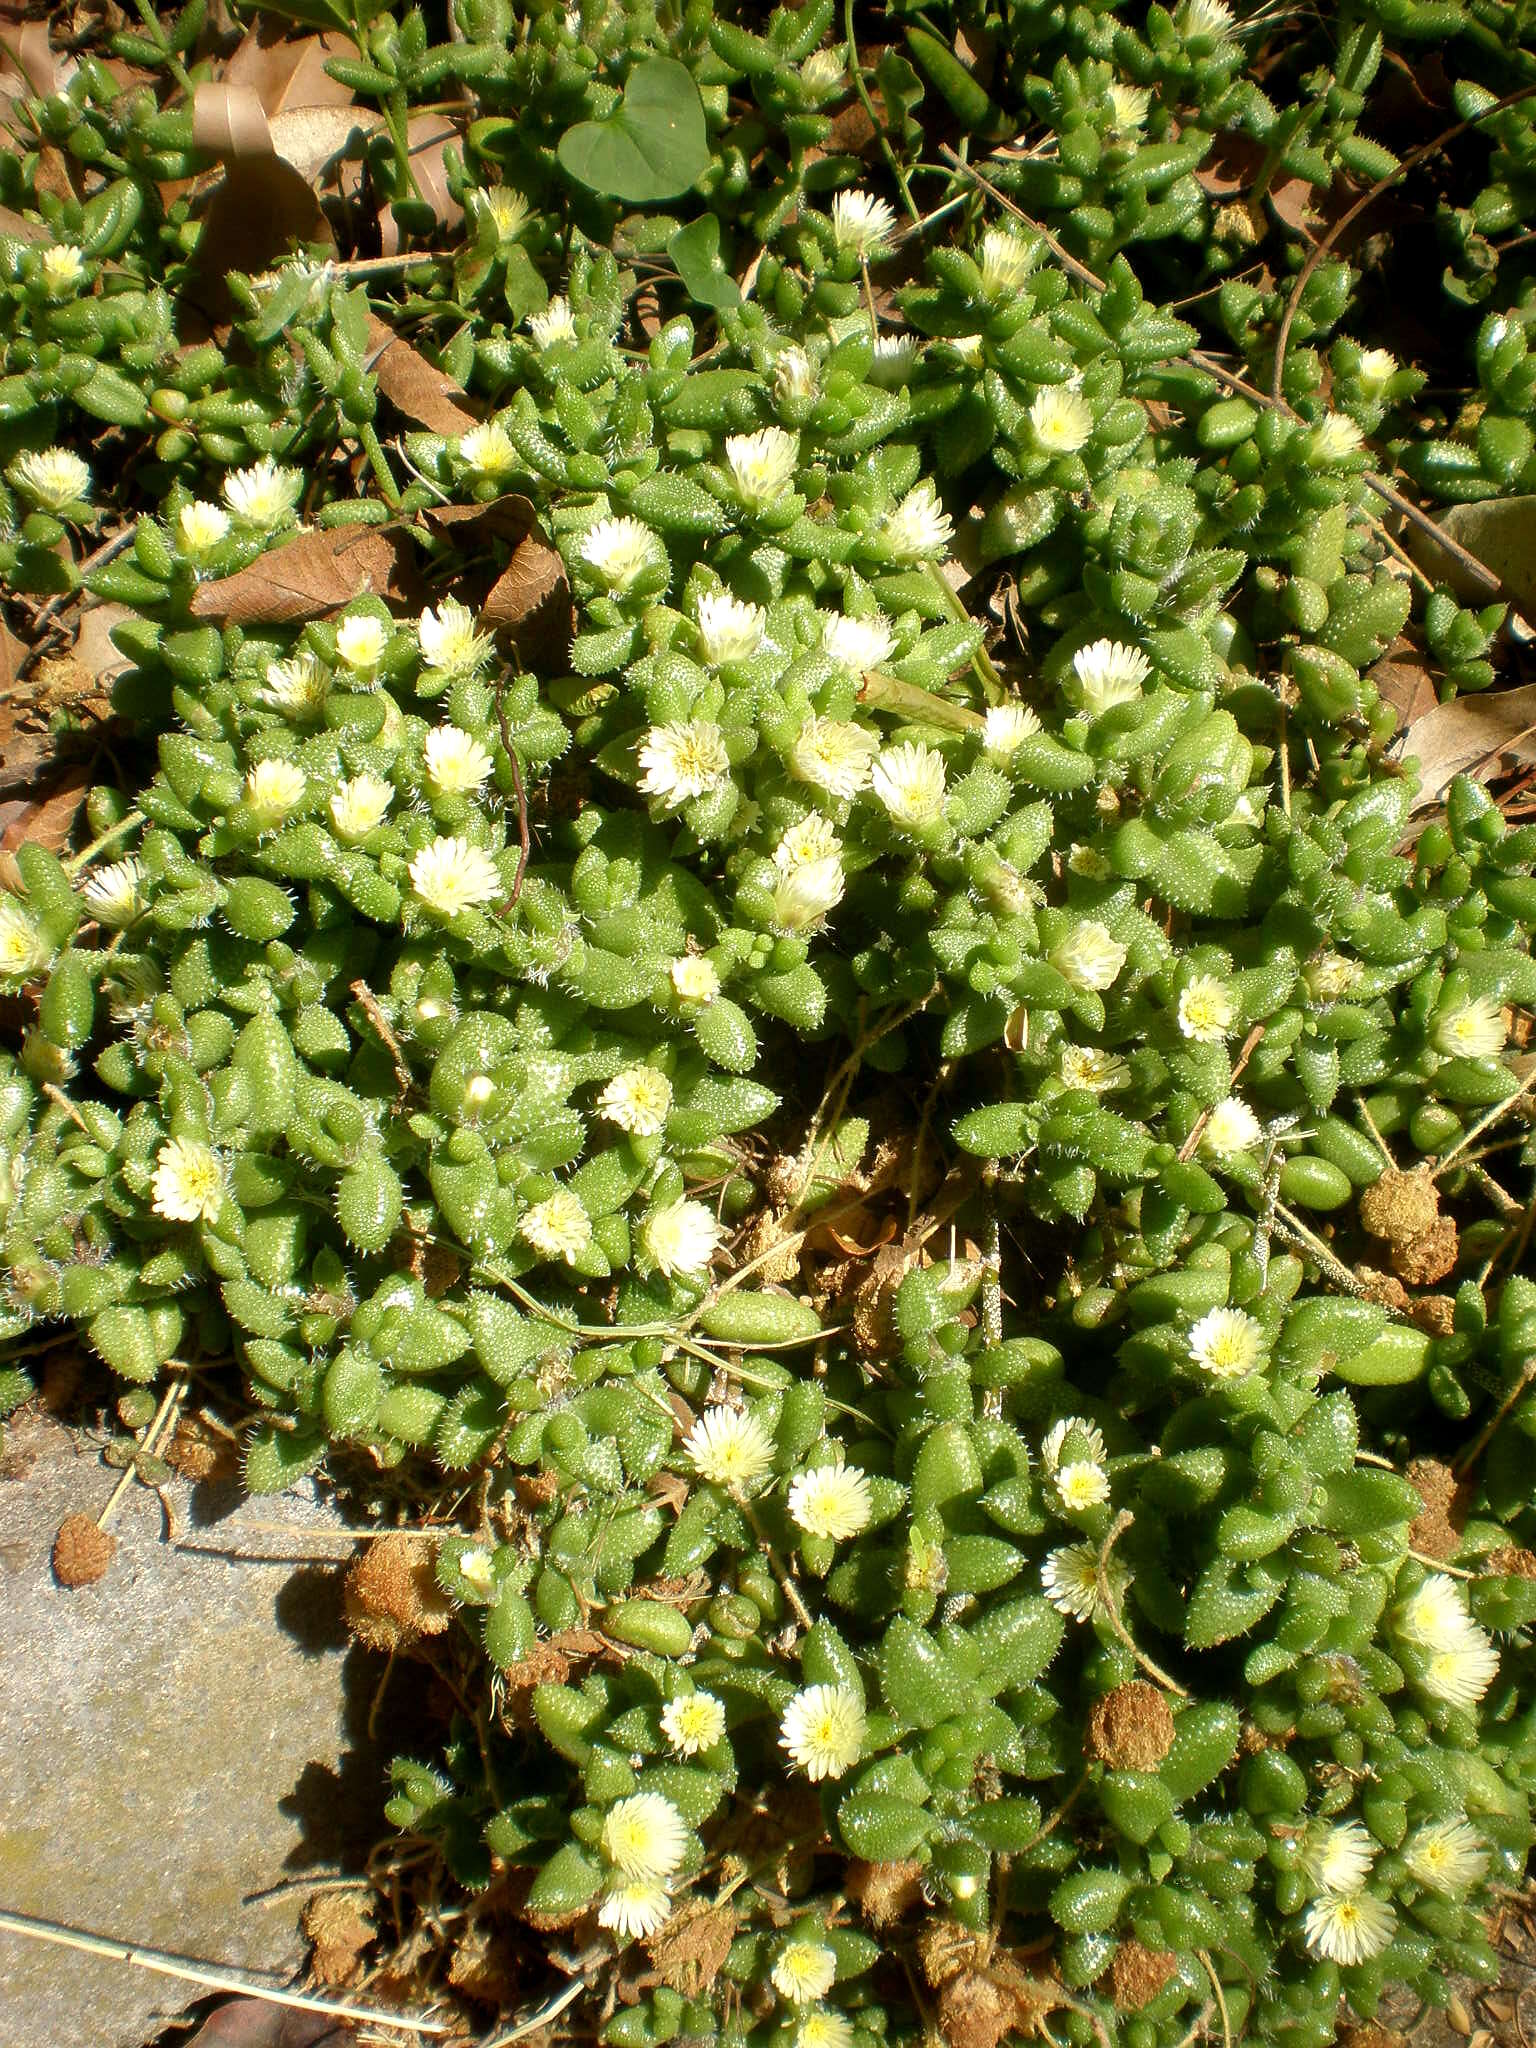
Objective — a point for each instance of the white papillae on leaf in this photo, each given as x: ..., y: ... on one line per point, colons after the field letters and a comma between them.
x: 679, y: 762
x: 1349, y: 1927
x: 831, y: 1500
x: 638, y: 1100
x: 188, y: 1182
x: 1227, y: 1343
x: 822, y: 1731
x: 681, y: 1238
x: 559, y: 1226
x: 833, y: 754
x: 359, y: 805
x: 693, y: 1722
x: 644, y: 1836
x: 729, y: 1447
x: 451, y: 875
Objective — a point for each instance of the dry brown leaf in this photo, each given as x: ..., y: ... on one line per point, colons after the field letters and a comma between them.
x: 508, y: 517
x: 289, y: 71
x: 261, y: 206
x: 255, y: 2023
x: 313, y: 140
x: 47, y: 821
x: 530, y: 603
x: 318, y: 572
x: 423, y: 394
x: 1403, y: 681
x: 1469, y: 737
x: 427, y: 136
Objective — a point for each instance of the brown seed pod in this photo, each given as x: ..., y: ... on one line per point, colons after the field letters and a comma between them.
x: 1130, y: 1728
x: 81, y: 1551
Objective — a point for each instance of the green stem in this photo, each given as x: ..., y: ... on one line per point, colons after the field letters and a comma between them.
x: 857, y: 70
x: 379, y: 463
x: 157, y: 35
x: 78, y: 860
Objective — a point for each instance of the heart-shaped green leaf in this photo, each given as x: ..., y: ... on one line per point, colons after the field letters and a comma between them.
x: 653, y: 145
x: 695, y: 250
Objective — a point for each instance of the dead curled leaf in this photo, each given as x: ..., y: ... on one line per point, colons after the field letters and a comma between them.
x: 1470, y: 736
x: 429, y: 397
x: 529, y: 604
x: 255, y: 2023
x: 318, y: 572
x: 288, y: 71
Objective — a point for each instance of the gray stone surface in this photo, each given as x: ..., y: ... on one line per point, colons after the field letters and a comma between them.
x: 173, y: 1738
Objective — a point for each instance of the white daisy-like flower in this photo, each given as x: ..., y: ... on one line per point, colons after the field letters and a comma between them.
x: 1006, y: 728
x: 1446, y: 1855
x: 553, y: 325
x: 805, y: 893
x: 695, y: 979
x: 477, y: 1568
x: 1081, y: 1485
x: 448, y: 641
x: 644, y: 1836
x: 729, y: 1447
x: 263, y: 496
x: 1335, y: 438
x: 559, y: 1226
x: 450, y: 875
x: 862, y: 224
x: 358, y: 806
x: 833, y: 753
x: 51, y: 477
x: 1203, y: 18
x: 274, y: 789
x: 693, y: 1722
x: 188, y: 1183
x: 909, y: 780
x: 812, y: 838
x: 895, y: 354
x: 1378, y: 366
x: 505, y: 207
x: 63, y: 269
x: 831, y: 1500
x: 1347, y: 1927
x: 1061, y: 419
x: 1339, y: 1858
x: 1473, y: 1030
x: 638, y: 1100
x: 297, y: 686
x: 361, y: 639
x: 1069, y: 1579
x: 201, y: 526
x: 1090, y: 1441
x: 824, y: 70
x: 823, y: 1731
x: 618, y: 551
x: 857, y: 644
x: 455, y: 761
x: 1091, y: 1067
x: 488, y: 451
x: 1434, y: 1615
x: 681, y: 1238
x: 794, y: 374
x: 1227, y: 1343
x: 1106, y: 673
x: 1131, y: 104
x: 1006, y: 258
x: 633, y: 1908
x: 918, y: 529
x: 1330, y: 977
x: 1207, y: 1010
x: 113, y: 894
x: 762, y: 465
x: 825, y: 2028
x: 1089, y: 955
x: 1462, y: 1672
x: 683, y: 761
x: 803, y: 1972
x: 23, y: 948
x: 730, y: 629
x: 1230, y: 1129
